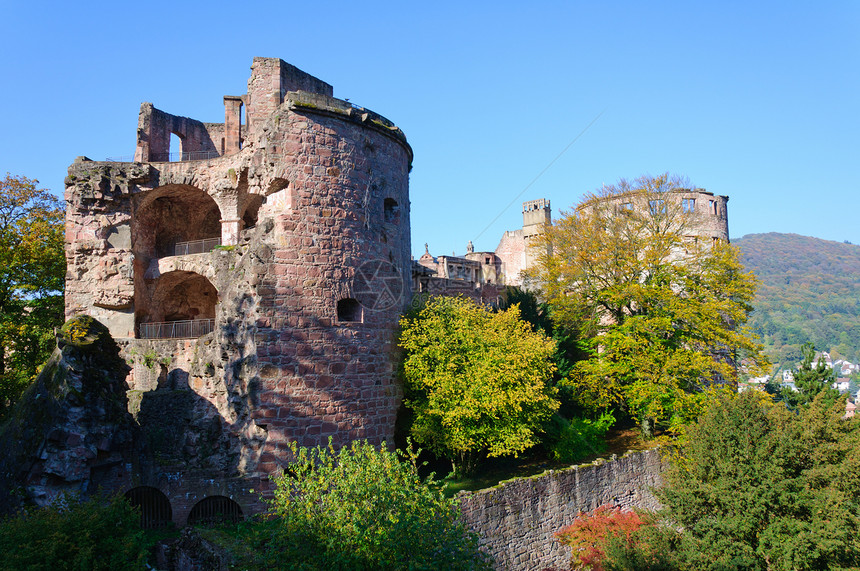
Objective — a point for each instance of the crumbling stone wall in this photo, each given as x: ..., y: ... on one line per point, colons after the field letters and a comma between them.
x: 306, y: 288
x: 516, y: 520
x: 70, y: 432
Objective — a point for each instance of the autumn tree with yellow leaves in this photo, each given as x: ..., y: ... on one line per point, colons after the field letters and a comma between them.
x: 663, y: 316
x: 32, y: 270
x: 478, y: 382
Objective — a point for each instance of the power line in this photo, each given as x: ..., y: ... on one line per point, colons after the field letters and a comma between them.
x: 546, y: 168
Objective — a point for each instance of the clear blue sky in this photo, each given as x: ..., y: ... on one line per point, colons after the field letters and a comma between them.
x: 756, y: 100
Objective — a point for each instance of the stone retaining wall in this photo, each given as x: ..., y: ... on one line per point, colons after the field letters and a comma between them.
x: 517, y: 519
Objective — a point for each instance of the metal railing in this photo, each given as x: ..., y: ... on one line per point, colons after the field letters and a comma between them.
x: 196, y: 246
x: 190, y: 329
x: 168, y: 157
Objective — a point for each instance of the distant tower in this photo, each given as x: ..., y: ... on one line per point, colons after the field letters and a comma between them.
x: 536, y: 216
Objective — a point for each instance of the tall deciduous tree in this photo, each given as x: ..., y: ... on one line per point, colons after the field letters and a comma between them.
x: 32, y: 270
x: 664, y: 314
x: 479, y: 382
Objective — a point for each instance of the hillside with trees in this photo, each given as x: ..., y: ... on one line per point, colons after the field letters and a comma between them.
x: 809, y: 292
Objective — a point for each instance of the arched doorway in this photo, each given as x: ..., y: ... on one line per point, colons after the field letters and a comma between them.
x: 155, y: 511
x: 214, y: 510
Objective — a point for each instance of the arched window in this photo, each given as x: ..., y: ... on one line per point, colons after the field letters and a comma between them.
x: 154, y: 506
x: 214, y: 510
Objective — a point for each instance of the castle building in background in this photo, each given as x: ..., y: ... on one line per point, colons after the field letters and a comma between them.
x: 700, y: 216
x: 253, y: 272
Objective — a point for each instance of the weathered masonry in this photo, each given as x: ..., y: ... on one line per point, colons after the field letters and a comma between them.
x: 253, y: 277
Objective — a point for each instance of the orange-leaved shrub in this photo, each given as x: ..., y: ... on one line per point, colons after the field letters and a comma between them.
x: 588, y: 535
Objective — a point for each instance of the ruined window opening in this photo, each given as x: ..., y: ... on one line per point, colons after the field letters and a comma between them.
x: 223, y: 146
x: 688, y: 205
x: 391, y: 211
x: 348, y: 310
x: 713, y: 206
x: 155, y: 511
x: 626, y: 206
x: 214, y: 510
x: 174, y: 151
x: 657, y: 206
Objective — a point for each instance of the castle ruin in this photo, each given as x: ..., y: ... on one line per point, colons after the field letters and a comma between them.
x: 253, y: 278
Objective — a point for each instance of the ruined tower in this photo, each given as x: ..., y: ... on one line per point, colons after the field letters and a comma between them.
x: 254, y: 278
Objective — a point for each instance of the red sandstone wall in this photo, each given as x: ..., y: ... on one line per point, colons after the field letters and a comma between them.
x: 511, y: 253
x: 281, y: 365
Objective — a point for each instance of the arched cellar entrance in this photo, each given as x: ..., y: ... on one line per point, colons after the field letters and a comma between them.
x: 155, y: 511
x: 214, y: 510
x: 182, y: 306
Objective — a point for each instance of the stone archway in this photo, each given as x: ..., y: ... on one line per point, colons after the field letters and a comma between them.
x: 182, y: 305
x: 214, y: 510
x: 172, y: 215
x: 155, y: 510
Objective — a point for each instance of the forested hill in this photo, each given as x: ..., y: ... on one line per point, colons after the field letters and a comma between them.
x: 810, y: 291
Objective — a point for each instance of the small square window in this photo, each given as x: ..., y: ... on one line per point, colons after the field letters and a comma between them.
x: 348, y: 309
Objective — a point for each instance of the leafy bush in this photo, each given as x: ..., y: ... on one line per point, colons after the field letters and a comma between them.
x: 359, y: 508
x: 572, y: 440
x: 95, y: 534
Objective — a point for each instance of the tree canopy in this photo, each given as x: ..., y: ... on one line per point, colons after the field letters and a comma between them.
x: 663, y: 314
x: 479, y: 382
x: 809, y: 293
x: 32, y: 271
x: 810, y: 380
x: 756, y: 486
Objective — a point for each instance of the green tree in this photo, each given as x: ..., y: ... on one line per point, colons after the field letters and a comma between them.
x: 479, y: 382
x: 665, y: 316
x: 759, y: 487
x: 358, y: 508
x: 32, y: 270
x: 810, y: 381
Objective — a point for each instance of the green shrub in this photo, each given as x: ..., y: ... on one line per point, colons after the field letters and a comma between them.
x: 94, y: 534
x: 359, y: 507
x: 575, y: 439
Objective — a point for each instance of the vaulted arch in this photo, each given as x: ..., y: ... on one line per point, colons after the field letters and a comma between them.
x: 173, y: 215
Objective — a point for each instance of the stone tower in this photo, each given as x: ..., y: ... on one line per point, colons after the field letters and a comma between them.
x: 254, y: 278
